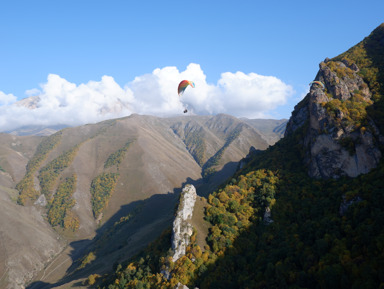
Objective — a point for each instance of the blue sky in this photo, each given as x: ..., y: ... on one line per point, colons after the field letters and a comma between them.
x: 265, y: 43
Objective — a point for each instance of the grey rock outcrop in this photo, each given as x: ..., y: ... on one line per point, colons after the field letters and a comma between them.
x: 182, y: 228
x: 335, y: 143
x: 267, y: 216
x: 41, y: 201
x: 180, y: 286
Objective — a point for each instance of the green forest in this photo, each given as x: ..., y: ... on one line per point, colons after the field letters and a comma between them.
x: 102, y: 188
x: 26, y: 186
x: 117, y: 157
x: 49, y: 173
x: 60, y: 206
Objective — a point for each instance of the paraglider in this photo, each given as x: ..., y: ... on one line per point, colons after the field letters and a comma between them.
x: 183, y: 86
x: 318, y: 83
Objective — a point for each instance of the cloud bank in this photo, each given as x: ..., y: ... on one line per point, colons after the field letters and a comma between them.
x: 61, y: 102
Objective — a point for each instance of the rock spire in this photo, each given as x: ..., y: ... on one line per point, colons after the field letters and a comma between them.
x: 182, y: 228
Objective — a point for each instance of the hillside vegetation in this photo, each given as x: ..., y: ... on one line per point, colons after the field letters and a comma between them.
x: 26, y: 186
x: 102, y: 188
x: 369, y: 57
x: 322, y: 233
x: 49, y: 173
x: 117, y: 157
x: 308, y: 244
x: 60, y: 208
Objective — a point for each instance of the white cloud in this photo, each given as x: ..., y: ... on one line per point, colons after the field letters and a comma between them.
x: 252, y: 95
x: 6, y: 99
x: 62, y: 102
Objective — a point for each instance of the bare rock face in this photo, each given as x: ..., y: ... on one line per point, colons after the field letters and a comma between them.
x: 340, y: 139
x: 182, y: 228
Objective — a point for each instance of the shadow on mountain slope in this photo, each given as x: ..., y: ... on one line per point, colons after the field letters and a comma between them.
x: 127, y: 232
x: 124, y: 235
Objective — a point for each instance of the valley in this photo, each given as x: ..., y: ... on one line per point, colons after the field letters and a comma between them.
x: 152, y: 158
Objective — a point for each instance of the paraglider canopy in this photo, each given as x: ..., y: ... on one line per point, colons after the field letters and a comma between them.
x: 183, y: 85
x: 318, y: 83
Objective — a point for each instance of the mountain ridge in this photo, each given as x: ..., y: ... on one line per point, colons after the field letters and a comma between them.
x: 149, y: 160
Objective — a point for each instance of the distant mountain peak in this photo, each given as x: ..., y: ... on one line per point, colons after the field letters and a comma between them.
x: 29, y: 102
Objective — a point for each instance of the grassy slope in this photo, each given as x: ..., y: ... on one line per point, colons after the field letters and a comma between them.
x: 155, y: 167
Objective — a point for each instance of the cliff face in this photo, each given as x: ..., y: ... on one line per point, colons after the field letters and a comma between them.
x: 182, y: 228
x: 339, y: 136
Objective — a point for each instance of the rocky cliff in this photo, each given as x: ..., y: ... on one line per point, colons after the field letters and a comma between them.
x: 339, y: 137
x: 182, y: 228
